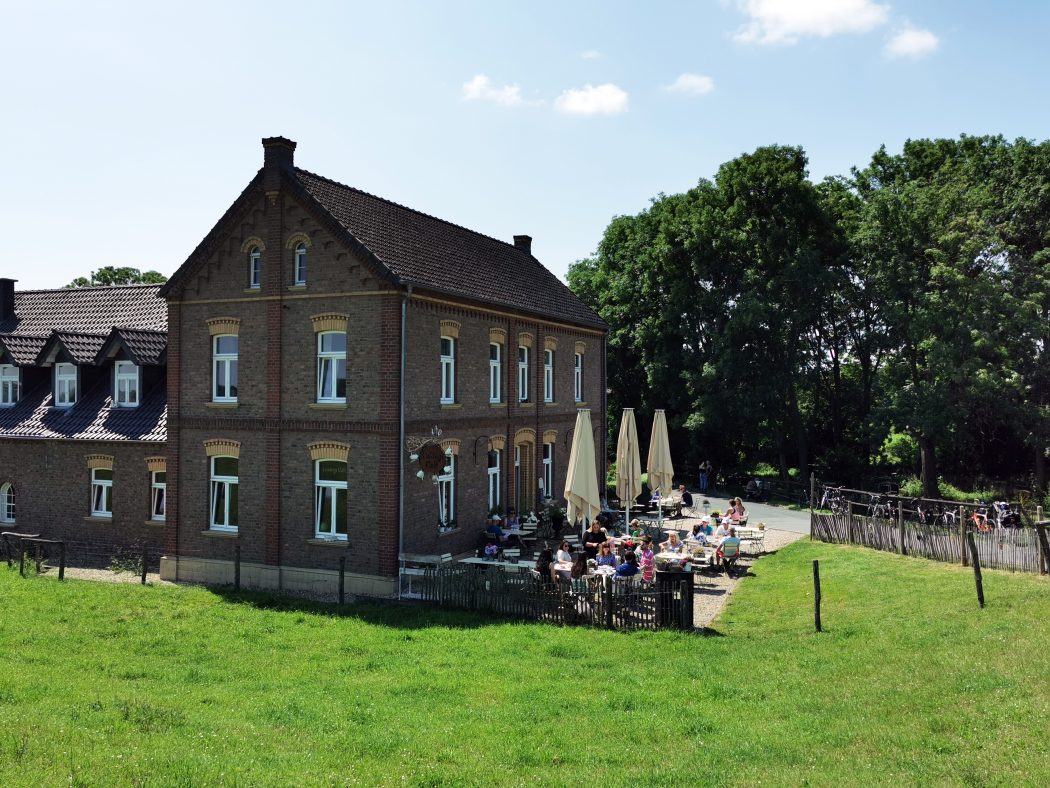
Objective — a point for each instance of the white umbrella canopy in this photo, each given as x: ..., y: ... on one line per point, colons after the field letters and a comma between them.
x: 628, y: 461
x: 581, y: 477
x: 661, y: 472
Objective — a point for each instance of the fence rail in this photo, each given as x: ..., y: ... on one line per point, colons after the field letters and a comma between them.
x: 593, y: 601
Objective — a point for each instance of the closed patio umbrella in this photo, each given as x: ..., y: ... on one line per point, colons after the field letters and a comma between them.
x: 661, y: 472
x: 581, y: 479
x: 628, y: 462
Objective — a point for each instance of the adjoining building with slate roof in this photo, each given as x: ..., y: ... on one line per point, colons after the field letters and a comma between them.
x: 318, y: 346
x: 83, y: 412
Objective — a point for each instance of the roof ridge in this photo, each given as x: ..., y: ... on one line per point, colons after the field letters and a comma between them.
x: 89, y: 287
x: 411, y: 210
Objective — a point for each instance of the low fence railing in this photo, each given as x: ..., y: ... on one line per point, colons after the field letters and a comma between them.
x: 601, y: 601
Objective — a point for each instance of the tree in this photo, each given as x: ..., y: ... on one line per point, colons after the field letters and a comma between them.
x: 111, y: 275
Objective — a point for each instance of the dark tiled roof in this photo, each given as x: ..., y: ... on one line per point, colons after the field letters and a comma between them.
x: 22, y: 348
x: 82, y: 348
x: 432, y: 253
x: 143, y: 347
x: 92, y: 310
x: 92, y: 419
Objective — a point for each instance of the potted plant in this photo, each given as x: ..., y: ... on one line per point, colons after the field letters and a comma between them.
x: 706, y: 504
x: 761, y: 526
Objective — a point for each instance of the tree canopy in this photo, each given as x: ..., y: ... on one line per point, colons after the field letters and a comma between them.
x: 890, y: 320
x: 112, y: 275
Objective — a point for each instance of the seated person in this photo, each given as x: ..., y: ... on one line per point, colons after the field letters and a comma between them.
x: 697, y: 534
x: 564, y: 554
x: 723, y: 529
x: 752, y: 489
x: 737, y: 512
x: 684, y: 500
x: 730, y: 547
x: 494, y: 528
x: 512, y: 518
x: 708, y: 528
x: 545, y: 565
x: 606, y: 557
x: 673, y: 544
x: 629, y: 567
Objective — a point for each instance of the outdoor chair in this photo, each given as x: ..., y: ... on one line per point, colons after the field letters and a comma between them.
x: 511, y: 554
x: 728, y: 553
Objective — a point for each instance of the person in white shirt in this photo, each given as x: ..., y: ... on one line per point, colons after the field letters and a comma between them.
x: 697, y: 534
x: 564, y: 554
x: 722, y: 531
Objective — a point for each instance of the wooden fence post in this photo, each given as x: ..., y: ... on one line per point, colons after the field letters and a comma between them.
x: 22, y: 562
x: 849, y: 523
x: 62, y: 561
x: 1044, y: 545
x: 900, y: 526
x: 607, y: 597
x: 962, y: 538
x: 976, y: 568
x: 1044, y: 564
x: 145, y: 558
x: 812, y: 496
x: 237, y: 567
x: 816, y: 594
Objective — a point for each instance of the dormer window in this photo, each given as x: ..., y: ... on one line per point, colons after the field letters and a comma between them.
x: 65, y: 385
x: 255, y: 267
x: 300, y: 264
x: 126, y: 384
x: 10, y: 385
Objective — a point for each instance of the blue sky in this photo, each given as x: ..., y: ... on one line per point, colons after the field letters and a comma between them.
x: 130, y: 127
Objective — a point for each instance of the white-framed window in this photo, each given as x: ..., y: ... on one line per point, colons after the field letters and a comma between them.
x: 300, y: 264
x: 126, y: 384
x: 446, y: 485
x: 331, y: 366
x: 548, y: 376
x: 330, y: 499
x: 448, y: 370
x: 495, y: 479
x: 7, y: 502
x: 255, y: 267
x: 224, y: 488
x: 577, y: 377
x: 548, y: 469
x: 523, y: 374
x: 101, y: 492
x: 224, y: 367
x: 158, y: 482
x: 495, y: 372
x: 65, y: 385
x: 10, y: 385
x: 517, y: 479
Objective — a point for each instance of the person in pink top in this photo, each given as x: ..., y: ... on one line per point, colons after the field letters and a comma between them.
x: 646, y: 559
x: 737, y: 511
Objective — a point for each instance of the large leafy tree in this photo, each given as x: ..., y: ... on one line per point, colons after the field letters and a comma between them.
x: 112, y: 275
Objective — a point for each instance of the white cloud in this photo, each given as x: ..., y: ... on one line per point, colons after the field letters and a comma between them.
x: 692, y: 85
x: 590, y: 54
x: 607, y: 99
x: 912, y: 42
x: 787, y: 21
x: 480, y: 88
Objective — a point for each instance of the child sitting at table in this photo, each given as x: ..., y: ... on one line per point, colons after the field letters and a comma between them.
x: 579, y: 566
x: 564, y: 555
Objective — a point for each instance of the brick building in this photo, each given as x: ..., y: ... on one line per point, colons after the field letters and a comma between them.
x: 82, y: 416
x: 317, y: 339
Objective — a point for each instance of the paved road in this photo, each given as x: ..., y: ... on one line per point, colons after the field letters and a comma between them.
x: 774, y: 517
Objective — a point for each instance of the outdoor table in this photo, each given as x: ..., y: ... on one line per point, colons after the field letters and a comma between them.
x: 520, y: 566
x: 517, y: 533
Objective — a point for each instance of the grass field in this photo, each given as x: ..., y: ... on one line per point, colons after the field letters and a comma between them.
x: 111, y: 684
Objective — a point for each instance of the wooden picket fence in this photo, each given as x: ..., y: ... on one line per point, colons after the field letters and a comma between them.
x: 597, y: 601
x: 1012, y: 549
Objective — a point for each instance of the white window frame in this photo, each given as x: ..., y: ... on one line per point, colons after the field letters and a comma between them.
x: 300, y: 264
x: 548, y: 470
x: 523, y: 373
x: 226, y: 483
x: 255, y: 268
x: 448, y: 371
x: 158, y: 494
x: 321, y: 486
x: 126, y: 393
x: 10, y: 385
x: 517, y: 479
x: 446, y: 484
x: 221, y: 366
x: 495, y: 374
x: 495, y: 478
x: 66, y: 385
x: 548, y: 376
x: 101, y: 493
x: 7, y: 502
x: 577, y: 377
x: 330, y: 359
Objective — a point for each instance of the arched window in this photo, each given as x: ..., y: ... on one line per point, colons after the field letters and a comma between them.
x: 255, y: 267
x: 7, y: 503
x: 330, y: 499
x: 300, y: 264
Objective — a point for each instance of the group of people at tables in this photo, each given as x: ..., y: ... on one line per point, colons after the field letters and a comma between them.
x: 634, y: 554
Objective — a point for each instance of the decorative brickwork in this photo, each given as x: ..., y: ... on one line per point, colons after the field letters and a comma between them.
x: 498, y: 443
x: 550, y: 343
x: 451, y: 443
x: 157, y: 464
x: 222, y: 447
x: 251, y: 242
x: 297, y: 238
x: 525, y: 339
x: 329, y: 450
x: 99, y: 461
x: 581, y: 347
x: 223, y: 325
x: 550, y: 436
x: 330, y: 321
x: 498, y: 336
x: 450, y: 328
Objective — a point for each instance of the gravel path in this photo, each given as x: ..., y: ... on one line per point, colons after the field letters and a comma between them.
x: 712, y: 590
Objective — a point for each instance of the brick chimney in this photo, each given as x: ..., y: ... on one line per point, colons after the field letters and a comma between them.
x: 524, y: 243
x: 278, y: 153
x: 7, y: 298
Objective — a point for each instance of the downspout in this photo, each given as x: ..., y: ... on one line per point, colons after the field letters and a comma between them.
x: 401, y: 437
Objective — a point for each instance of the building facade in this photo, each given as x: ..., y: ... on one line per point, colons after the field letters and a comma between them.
x: 318, y: 340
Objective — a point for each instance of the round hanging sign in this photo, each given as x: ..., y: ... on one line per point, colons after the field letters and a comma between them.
x: 432, y: 459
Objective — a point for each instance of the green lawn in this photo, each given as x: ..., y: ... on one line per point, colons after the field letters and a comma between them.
x: 112, y: 684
